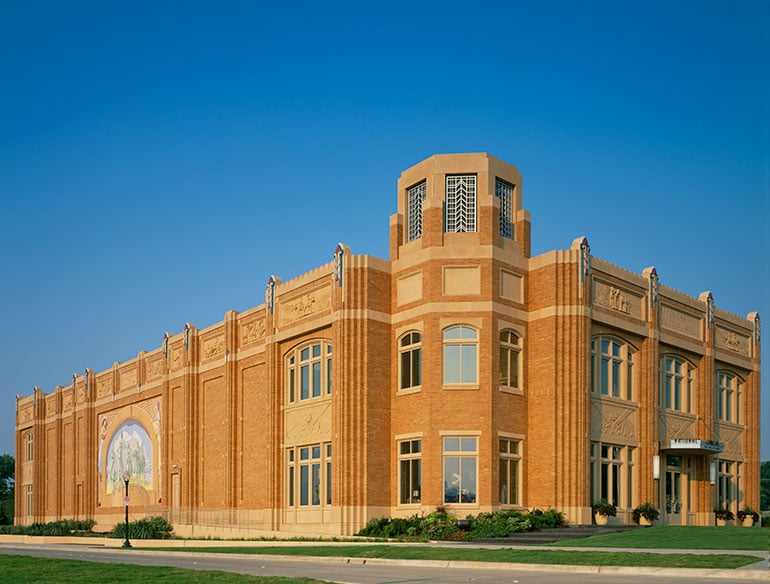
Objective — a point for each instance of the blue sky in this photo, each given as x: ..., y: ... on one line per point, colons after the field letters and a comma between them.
x: 159, y: 160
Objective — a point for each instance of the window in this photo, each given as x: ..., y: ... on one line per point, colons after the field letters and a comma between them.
x: 410, y: 360
x: 310, y: 372
x: 612, y: 368
x: 461, y: 203
x: 29, y: 446
x: 504, y: 192
x: 460, y: 458
x: 414, y: 198
x: 510, y: 459
x: 612, y: 468
x: 308, y: 475
x: 676, y: 383
x: 728, y: 397
x: 28, y: 499
x: 410, y: 471
x: 510, y: 360
x: 460, y: 350
x: 727, y: 487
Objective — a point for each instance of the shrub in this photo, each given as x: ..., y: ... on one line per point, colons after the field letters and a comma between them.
x: 147, y: 528
x: 499, y: 524
x: 549, y: 519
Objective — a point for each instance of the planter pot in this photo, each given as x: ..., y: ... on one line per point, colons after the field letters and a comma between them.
x: 601, y: 519
x: 723, y: 522
x: 644, y: 521
x: 748, y: 522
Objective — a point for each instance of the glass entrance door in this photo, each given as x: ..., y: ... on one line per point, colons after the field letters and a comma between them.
x: 673, y: 491
x: 676, y: 498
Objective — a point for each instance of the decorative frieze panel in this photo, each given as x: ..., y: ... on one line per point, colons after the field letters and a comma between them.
x: 462, y: 281
x: 307, y: 424
x: 103, y: 386
x: 732, y: 439
x: 303, y: 306
x: 618, y: 299
x: 50, y: 406
x: 733, y: 341
x: 612, y: 422
x: 680, y: 322
x: 128, y: 379
x: 675, y: 426
x: 253, y: 331
x: 25, y: 414
x: 177, y: 357
x: 214, y: 347
x: 155, y: 369
x: 67, y: 401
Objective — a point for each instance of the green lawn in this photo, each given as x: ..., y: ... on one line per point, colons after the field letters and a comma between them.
x: 544, y: 556
x: 29, y: 570
x: 681, y: 538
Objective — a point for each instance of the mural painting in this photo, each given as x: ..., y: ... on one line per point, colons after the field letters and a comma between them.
x: 129, y: 441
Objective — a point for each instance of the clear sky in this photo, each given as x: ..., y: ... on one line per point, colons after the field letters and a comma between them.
x: 159, y: 160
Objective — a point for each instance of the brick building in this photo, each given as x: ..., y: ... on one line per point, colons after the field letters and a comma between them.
x: 461, y: 371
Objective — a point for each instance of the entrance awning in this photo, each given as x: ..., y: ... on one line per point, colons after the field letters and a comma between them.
x: 689, y: 446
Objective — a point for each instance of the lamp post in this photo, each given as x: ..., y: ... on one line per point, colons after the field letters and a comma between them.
x: 126, y: 476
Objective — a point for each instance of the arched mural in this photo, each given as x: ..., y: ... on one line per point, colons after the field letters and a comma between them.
x: 129, y: 441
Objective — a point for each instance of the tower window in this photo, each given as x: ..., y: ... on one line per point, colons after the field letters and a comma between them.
x: 414, y: 197
x: 461, y: 203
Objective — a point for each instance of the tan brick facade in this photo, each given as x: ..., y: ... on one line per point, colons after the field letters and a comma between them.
x: 460, y: 372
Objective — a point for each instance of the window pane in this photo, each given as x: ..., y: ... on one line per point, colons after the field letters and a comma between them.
x: 417, y: 367
x: 416, y: 480
x: 291, y: 385
x: 468, y: 444
x: 615, y: 379
x: 406, y: 489
x: 451, y: 480
x: 504, y: 370
x: 305, y: 354
x: 316, y: 350
x: 468, y: 479
x: 468, y: 333
x: 468, y: 366
x: 316, y: 379
x: 605, y: 376
x: 452, y: 333
x: 328, y: 483
x: 316, y: 452
x: 316, y: 484
x: 304, y: 485
x: 451, y: 364
x: 304, y: 453
x: 304, y: 382
x: 504, y: 482
x: 291, y: 487
x: 405, y: 370
x: 416, y: 446
x: 329, y: 375
x: 404, y: 447
x: 451, y: 444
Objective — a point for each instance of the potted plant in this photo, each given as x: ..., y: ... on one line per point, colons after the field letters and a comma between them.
x: 645, y: 513
x: 723, y: 515
x: 603, y: 510
x: 748, y: 516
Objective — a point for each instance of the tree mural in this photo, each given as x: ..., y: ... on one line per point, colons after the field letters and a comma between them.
x: 130, y: 451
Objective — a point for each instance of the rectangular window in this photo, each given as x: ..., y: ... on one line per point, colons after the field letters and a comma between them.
x: 410, y: 471
x: 460, y: 462
x: 461, y: 203
x: 304, y: 382
x: 510, y: 460
x: 612, y: 474
x: 309, y: 471
x: 28, y: 498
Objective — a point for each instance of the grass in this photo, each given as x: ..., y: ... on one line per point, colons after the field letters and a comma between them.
x: 31, y: 570
x: 680, y: 538
x: 544, y: 556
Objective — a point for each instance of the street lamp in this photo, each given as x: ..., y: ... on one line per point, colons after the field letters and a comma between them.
x: 126, y: 476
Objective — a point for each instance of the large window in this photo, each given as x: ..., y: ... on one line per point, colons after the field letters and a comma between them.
x: 460, y: 355
x: 510, y: 360
x: 309, y: 371
x: 728, y: 397
x: 676, y: 383
x: 414, y: 198
x: 28, y: 499
x: 460, y: 462
x: 29, y: 445
x: 727, y: 484
x: 504, y: 192
x: 612, y: 468
x: 410, y: 360
x: 510, y: 471
x: 461, y: 203
x: 410, y: 471
x: 612, y: 368
x: 308, y: 475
